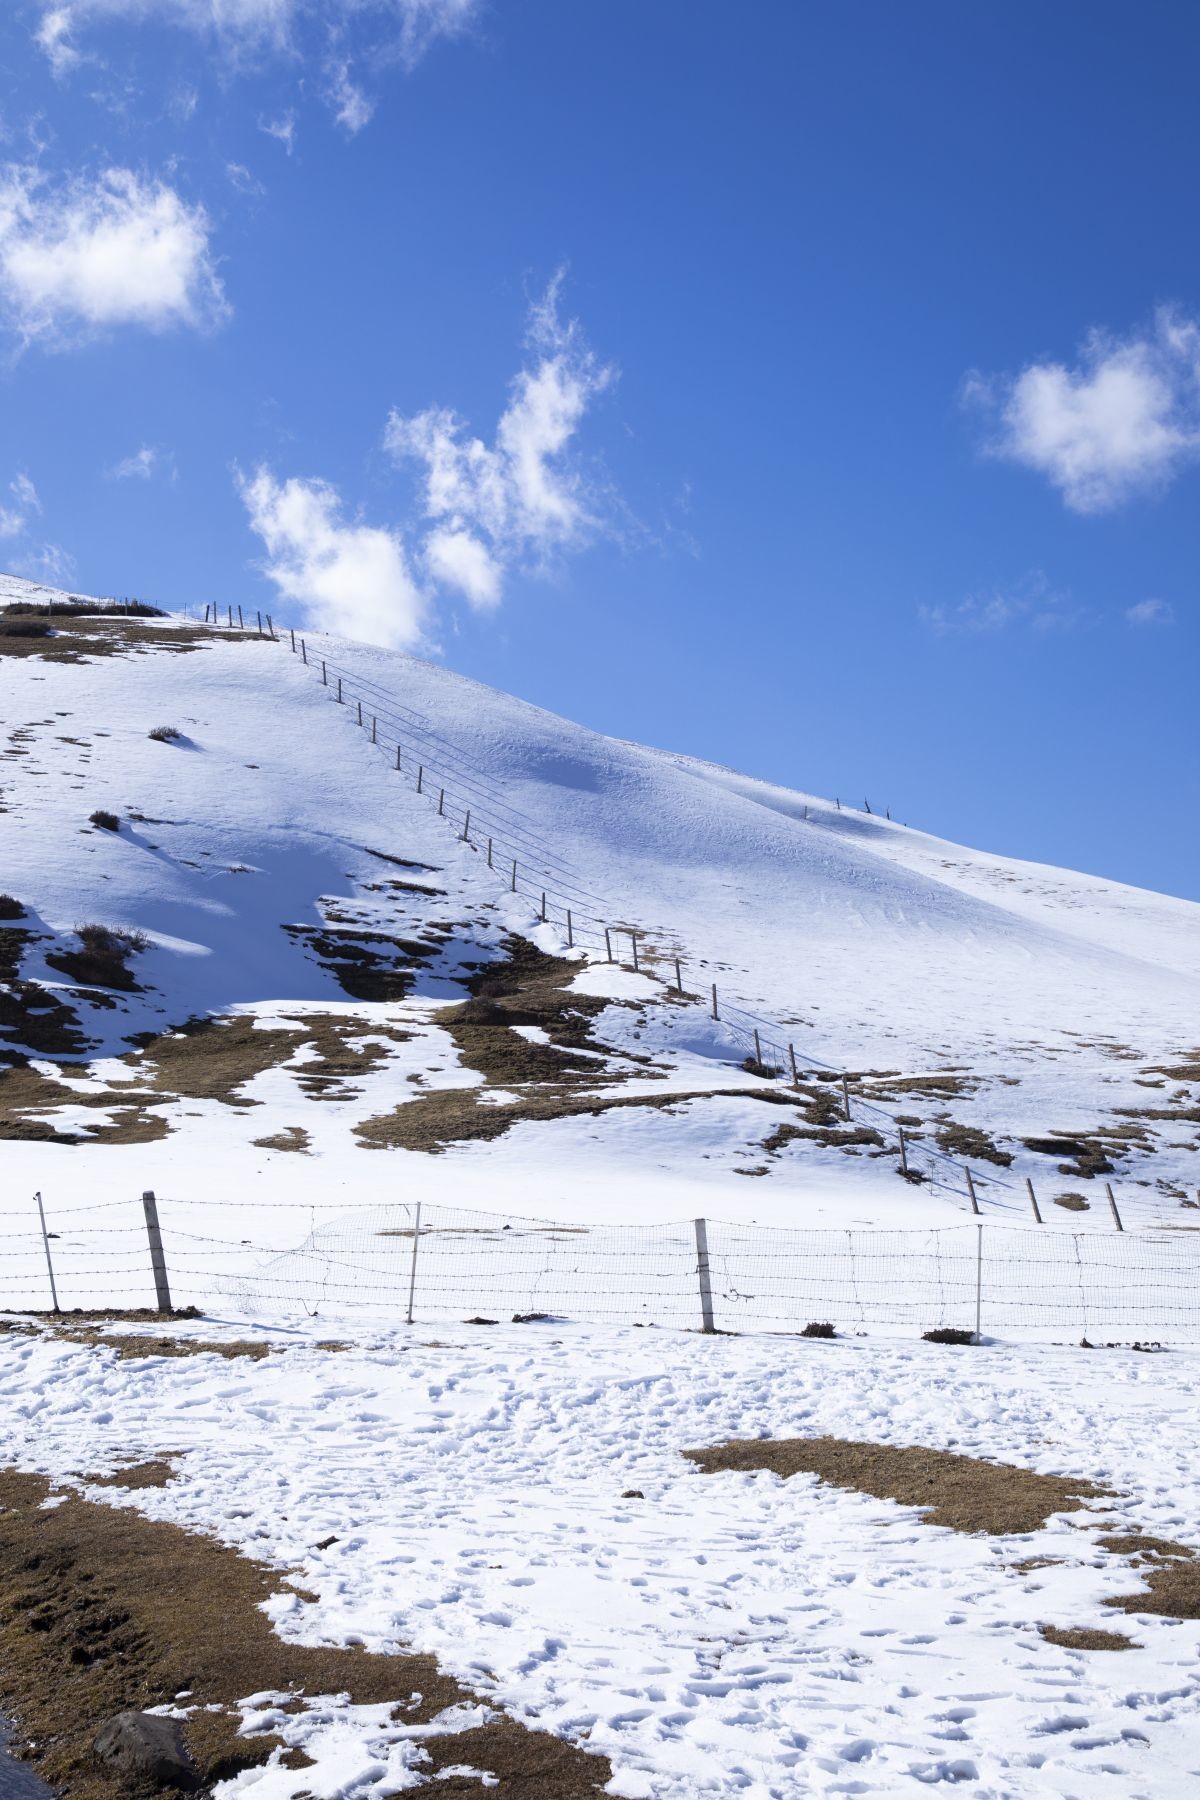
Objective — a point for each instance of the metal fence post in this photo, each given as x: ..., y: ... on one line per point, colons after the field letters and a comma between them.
x: 46, y: 1244
x: 158, y: 1261
x: 412, y: 1272
x: 704, y: 1274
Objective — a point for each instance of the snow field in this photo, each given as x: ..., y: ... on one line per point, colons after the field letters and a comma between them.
x: 722, y: 1634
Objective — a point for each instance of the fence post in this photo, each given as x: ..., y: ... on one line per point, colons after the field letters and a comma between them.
x: 792, y: 1060
x: 971, y: 1191
x: 270, y: 629
x: 397, y: 759
x: 608, y: 943
x: 230, y: 618
x: 293, y: 638
x: 570, y: 931
x: 633, y: 941
x: 1112, y: 1203
x: 158, y: 1261
x: 374, y: 729
x: 1033, y: 1200
x: 489, y: 843
x: 259, y: 622
x: 466, y: 835
x: 543, y: 906
x: 903, y: 1152
x: 678, y: 978
x: 441, y: 802
x: 324, y: 674
x: 241, y: 621
x: 705, y: 1276
x: 339, y: 692
x: 304, y: 653
x: 420, y: 777
x: 513, y: 887
x: 757, y: 1048
x: 46, y: 1246
x: 412, y: 1271
x: 360, y: 712
x: 845, y: 1099
x: 716, y: 1014
x: 978, y: 1281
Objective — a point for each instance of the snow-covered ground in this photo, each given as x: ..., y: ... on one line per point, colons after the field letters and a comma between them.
x: 1042, y: 1001
x: 720, y: 1634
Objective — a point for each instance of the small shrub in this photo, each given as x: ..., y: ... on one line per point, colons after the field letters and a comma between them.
x: 820, y: 1328
x: 165, y: 734
x: 10, y: 908
x: 24, y: 628
x: 104, y: 821
x: 101, y: 958
x: 948, y: 1334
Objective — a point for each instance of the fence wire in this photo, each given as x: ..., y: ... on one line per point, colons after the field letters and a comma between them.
x: 433, y: 1262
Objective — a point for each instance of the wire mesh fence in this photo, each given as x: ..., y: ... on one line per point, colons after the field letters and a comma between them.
x: 423, y: 1263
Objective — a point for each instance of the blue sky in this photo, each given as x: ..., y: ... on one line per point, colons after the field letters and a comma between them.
x: 813, y: 388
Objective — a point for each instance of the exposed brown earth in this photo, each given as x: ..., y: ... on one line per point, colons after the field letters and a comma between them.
x: 102, y: 1610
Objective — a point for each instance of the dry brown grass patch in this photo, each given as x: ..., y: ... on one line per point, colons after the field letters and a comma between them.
x: 292, y: 1137
x: 1069, y: 1637
x: 961, y: 1492
x: 102, y: 1610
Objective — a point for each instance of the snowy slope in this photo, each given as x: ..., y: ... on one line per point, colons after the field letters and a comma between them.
x: 1043, y: 1001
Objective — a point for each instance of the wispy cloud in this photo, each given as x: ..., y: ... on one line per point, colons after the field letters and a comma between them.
x: 1151, y: 612
x: 1030, y: 603
x: 283, y: 130
x: 38, y: 562
x: 89, y: 253
x: 144, y: 464
x: 339, y: 37
x: 14, y: 519
x: 524, y: 499
x: 1122, y: 421
x: 349, y: 577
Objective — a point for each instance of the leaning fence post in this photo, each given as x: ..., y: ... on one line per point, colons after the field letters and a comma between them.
x: 978, y: 1282
x: 158, y: 1261
x: 716, y: 1014
x: 757, y: 1048
x: 1112, y: 1203
x: 46, y: 1245
x: 705, y: 1276
x: 412, y: 1270
x: 270, y: 629
x: 303, y: 653
x: 971, y: 1191
x: 466, y: 830
x: 241, y: 621
x: 845, y: 1099
x: 1033, y: 1200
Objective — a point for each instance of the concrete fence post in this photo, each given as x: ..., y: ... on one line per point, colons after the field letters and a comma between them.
x: 158, y: 1261
x: 704, y: 1275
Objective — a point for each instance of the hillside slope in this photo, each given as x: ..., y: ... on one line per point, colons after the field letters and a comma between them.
x: 283, y: 870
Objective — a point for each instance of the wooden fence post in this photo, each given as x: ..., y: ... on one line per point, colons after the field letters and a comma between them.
x: 466, y: 830
x: 270, y: 629
x: 231, y: 618
x: 678, y: 978
x: 259, y: 616
x: 303, y: 653
x: 324, y: 674
x: 158, y: 1261
x: 339, y: 692
x: 716, y: 1014
x: 707, y: 1323
x: 792, y: 1060
x: 607, y: 943
x: 360, y: 712
x: 1033, y: 1200
x: 1113, y: 1205
x: 543, y: 906
x: 46, y: 1247
x: 397, y: 759
x: 570, y: 931
x: 971, y: 1191
x: 412, y: 1270
x: 845, y: 1099
x: 241, y: 621
x: 903, y: 1152
x: 633, y: 941
x: 293, y: 637
x: 374, y: 729
x: 514, y: 876
x: 441, y: 803
x: 420, y: 777
x: 489, y: 853
x: 757, y: 1048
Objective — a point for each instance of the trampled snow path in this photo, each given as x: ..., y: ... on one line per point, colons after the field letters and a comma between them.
x: 724, y: 1634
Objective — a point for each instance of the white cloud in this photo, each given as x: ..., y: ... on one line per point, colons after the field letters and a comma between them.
x: 1151, y: 612
x: 14, y: 520
x: 351, y: 579
x: 1122, y: 422
x: 241, y: 178
x: 352, y: 108
x: 1030, y: 602
x: 54, y: 38
x: 113, y: 250
x: 523, y: 500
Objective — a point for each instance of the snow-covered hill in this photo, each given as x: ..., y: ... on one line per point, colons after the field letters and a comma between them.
x: 1019, y: 1019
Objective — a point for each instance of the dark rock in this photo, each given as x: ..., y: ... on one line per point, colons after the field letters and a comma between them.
x: 633, y: 1494
x: 146, y: 1749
